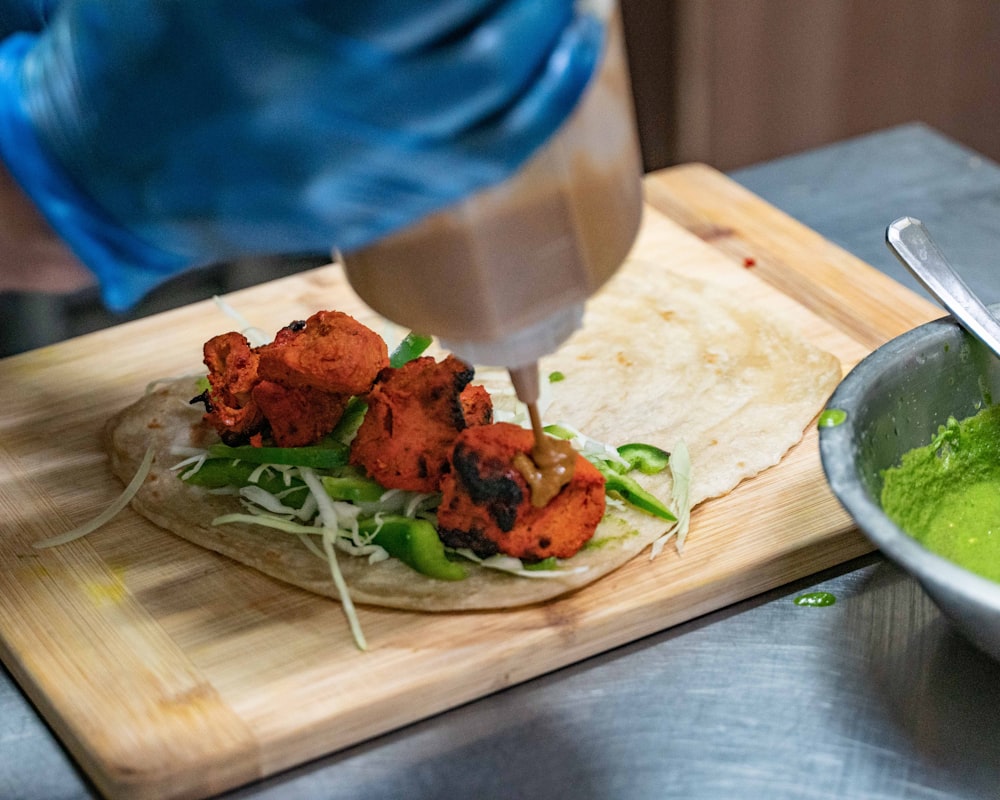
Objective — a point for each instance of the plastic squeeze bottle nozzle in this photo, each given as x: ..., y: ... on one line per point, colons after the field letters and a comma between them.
x: 502, y: 277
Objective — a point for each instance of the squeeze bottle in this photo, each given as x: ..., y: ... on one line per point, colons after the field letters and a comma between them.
x: 501, y: 278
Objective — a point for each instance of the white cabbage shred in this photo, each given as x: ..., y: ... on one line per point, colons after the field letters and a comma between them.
x: 680, y: 471
x: 110, y: 512
x: 514, y: 566
x: 254, y: 335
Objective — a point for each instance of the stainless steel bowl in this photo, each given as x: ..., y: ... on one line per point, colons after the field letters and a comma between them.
x: 894, y: 401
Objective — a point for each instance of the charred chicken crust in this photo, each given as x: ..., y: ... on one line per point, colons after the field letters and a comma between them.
x: 294, y: 389
x: 486, y: 503
x: 415, y: 412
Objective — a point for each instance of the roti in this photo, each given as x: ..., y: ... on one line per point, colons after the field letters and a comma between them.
x: 662, y: 358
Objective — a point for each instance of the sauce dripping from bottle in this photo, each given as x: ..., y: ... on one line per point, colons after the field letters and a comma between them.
x: 551, y: 463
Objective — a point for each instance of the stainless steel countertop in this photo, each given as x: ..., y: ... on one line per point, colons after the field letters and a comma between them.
x: 872, y: 697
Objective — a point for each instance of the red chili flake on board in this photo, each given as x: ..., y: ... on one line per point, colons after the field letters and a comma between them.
x: 749, y: 262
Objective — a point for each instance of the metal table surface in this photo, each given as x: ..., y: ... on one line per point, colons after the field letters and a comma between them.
x: 872, y: 697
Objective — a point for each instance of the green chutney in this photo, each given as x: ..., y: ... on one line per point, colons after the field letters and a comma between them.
x: 946, y: 495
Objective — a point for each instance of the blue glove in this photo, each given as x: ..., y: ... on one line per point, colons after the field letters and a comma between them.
x: 25, y: 15
x: 157, y: 135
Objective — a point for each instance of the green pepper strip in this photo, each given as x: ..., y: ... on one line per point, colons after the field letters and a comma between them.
x: 559, y: 431
x: 218, y: 472
x: 541, y: 566
x: 351, y: 420
x: 647, y: 458
x: 321, y: 456
x: 614, y: 481
x: 352, y: 485
x: 412, y: 346
x: 632, y: 493
x: 415, y: 542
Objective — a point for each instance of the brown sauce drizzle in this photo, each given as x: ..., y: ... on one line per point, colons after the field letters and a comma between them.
x: 550, y: 466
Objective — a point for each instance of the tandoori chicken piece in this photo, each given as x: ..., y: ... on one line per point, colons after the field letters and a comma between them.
x: 414, y: 414
x: 232, y: 374
x: 298, y: 415
x: 330, y: 350
x: 477, y: 405
x: 295, y: 388
x: 486, y: 504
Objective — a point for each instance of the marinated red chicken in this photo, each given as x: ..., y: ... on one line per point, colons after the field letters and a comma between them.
x: 486, y: 504
x: 331, y: 351
x: 414, y: 414
x: 298, y: 415
x: 295, y: 388
x: 477, y: 405
x: 232, y: 374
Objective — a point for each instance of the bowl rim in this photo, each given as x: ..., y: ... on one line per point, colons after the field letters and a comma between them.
x: 837, y: 456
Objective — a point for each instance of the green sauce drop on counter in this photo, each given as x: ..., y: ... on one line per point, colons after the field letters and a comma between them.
x: 815, y: 599
x: 832, y: 417
x: 946, y: 495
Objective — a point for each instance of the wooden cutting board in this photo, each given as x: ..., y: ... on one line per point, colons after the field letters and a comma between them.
x: 169, y: 671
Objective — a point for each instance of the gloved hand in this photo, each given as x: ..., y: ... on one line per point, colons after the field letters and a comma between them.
x: 157, y: 135
x: 25, y: 15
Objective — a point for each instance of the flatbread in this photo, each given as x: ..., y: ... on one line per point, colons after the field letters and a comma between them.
x: 662, y: 358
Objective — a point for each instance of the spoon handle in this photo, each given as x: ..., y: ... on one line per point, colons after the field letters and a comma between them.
x: 913, y: 245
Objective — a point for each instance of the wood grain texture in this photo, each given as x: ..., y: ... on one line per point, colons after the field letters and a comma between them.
x: 824, y: 278
x: 170, y: 671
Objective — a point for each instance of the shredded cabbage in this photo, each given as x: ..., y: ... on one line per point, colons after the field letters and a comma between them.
x: 196, y: 462
x: 680, y: 471
x: 110, y: 512
x: 514, y: 566
x: 268, y: 521
x: 267, y: 501
x: 589, y: 448
x: 398, y: 501
x: 254, y: 335
x: 328, y: 515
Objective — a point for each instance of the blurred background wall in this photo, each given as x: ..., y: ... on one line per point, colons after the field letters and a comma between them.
x: 735, y: 82
x: 726, y: 82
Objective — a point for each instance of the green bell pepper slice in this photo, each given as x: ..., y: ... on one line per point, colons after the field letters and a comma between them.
x: 326, y: 455
x: 541, y: 566
x: 412, y: 346
x: 351, y: 420
x: 352, y: 485
x: 415, y: 542
x: 632, y: 493
x: 558, y: 431
x: 218, y: 472
x: 646, y: 458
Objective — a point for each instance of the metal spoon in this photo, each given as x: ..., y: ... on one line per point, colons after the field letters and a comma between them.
x: 913, y: 245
